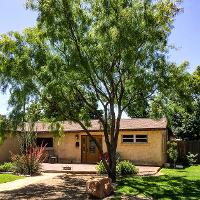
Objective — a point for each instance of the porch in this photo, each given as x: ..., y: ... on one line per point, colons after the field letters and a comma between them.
x: 89, y: 169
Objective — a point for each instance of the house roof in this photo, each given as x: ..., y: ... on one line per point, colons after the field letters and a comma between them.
x: 126, y: 124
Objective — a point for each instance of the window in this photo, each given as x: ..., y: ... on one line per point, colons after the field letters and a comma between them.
x: 44, y: 141
x: 128, y: 138
x: 134, y: 139
x: 141, y: 139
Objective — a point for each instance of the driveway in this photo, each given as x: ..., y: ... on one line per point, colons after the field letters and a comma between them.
x: 54, y: 186
x: 51, y: 186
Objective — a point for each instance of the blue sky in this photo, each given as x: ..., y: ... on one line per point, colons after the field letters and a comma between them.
x: 185, y: 35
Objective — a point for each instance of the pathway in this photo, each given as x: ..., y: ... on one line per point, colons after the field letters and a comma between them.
x: 49, y: 186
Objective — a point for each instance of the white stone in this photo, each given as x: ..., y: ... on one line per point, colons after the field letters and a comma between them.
x: 179, y: 166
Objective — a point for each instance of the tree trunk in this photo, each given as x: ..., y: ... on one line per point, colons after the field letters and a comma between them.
x: 112, y: 175
x: 112, y: 164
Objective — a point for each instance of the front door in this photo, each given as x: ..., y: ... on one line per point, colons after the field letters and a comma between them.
x: 89, y: 150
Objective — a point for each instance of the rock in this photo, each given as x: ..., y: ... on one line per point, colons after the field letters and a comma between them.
x: 167, y: 165
x: 179, y: 166
x: 99, y: 187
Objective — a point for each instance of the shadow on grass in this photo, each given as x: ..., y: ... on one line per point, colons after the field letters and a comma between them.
x: 160, y: 187
x: 66, y: 187
x: 73, y: 187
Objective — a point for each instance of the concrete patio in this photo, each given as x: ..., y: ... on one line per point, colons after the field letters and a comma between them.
x: 69, y: 168
x: 89, y: 169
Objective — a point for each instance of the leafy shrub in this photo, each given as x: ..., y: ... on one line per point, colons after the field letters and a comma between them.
x: 29, y: 163
x: 192, y: 158
x: 6, y: 167
x: 101, y: 168
x: 172, y: 152
x: 122, y: 168
x: 126, y: 168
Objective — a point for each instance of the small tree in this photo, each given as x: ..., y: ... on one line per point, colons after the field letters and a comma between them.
x: 192, y: 158
x: 172, y: 152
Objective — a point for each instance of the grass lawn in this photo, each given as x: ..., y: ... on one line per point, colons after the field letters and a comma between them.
x: 173, y: 184
x: 9, y: 177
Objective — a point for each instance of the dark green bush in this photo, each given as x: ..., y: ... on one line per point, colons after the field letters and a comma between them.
x: 123, y: 168
x: 6, y: 167
x: 126, y: 168
x: 192, y: 158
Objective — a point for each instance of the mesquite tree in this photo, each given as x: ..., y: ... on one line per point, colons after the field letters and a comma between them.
x: 88, y: 56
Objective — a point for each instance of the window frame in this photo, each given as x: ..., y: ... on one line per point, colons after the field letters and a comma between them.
x: 141, y: 138
x: 43, y: 138
x: 134, y: 138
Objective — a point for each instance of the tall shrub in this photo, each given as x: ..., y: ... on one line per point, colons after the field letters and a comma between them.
x: 172, y: 152
x: 29, y: 163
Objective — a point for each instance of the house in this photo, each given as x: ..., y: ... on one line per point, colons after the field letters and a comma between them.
x: 141, y: 140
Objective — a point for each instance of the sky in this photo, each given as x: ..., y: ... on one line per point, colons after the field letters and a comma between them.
x: 185, y: 34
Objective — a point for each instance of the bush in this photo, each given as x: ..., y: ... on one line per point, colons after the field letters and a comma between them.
x: 101, y: 168
x: 126, y: 168
x: 172, y: 152
x: 122, y: 168
x: 29, y: 163
x: 6, y: 167
x: 192, y: 158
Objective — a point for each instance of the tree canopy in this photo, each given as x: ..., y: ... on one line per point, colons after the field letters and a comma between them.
x: 102, y: 57
x: 185, y: 118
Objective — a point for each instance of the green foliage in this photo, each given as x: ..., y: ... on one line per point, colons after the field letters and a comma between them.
x: 89, y: 59
x: 182, y: 107
x: 4, y: 126
x: 26, y: 140
x: 101, y: 168
x: 126, y: 168
x: 6, y: 167
x: 172, y: 151
x: 186, y: 125
x: 29, y: 163
x: 123, y: 168
x: 4, y: 178
x: 192, y: 158
x: 78, y: 54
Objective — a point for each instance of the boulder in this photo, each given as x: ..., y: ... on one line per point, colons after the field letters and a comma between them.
x: 179, y: 166
x: 99, y: 187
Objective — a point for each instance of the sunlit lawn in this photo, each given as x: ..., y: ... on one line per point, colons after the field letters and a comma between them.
x: 9, y: 177
x: 173, y: 184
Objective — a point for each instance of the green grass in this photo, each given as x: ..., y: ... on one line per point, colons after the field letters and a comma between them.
x: 173, y: 184
x: 9, y: 177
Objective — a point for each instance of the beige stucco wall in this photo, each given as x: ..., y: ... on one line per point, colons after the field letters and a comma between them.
x: 152, y: 153
x: 65, y: 147
x: 10, y: 144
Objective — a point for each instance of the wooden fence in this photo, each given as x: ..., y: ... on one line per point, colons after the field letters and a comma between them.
x: 188, y: 146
